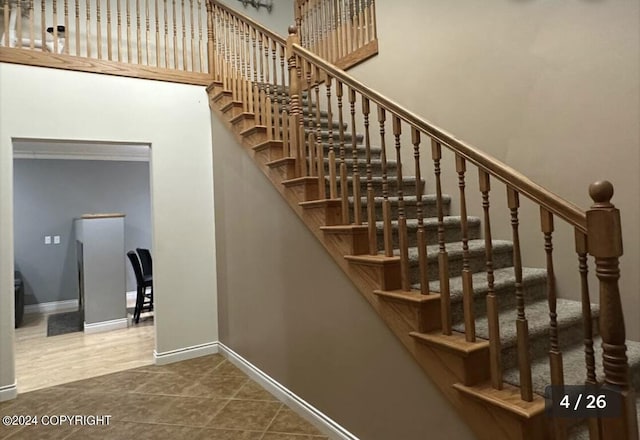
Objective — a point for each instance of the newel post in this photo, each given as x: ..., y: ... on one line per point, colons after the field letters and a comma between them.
x: 604, y: 237
x: 295, y: 108
x: 210, y: 40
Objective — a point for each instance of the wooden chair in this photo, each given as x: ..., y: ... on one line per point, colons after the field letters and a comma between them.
x: 144, y: 299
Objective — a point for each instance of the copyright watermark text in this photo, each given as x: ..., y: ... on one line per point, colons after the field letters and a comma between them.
x: 56, y: 420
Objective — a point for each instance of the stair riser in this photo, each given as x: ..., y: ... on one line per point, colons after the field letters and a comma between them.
x: 534, y: 290
x: 539, y: 344
x: 376, y: 167
x: 408, y: 187
x: 452, y: 233
x: 429, y: 209
x: 477, y: 263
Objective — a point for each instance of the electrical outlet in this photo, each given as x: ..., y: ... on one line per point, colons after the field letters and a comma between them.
x: 47, y: 239
x: 56, y: 239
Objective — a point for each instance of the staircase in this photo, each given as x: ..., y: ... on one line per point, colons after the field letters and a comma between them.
x: 490, y: 332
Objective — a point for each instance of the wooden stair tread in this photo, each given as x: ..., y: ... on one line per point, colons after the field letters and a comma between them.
x: 344, y: 228
x: 277, y: 162
x: 321, y: 202
x: 455, y: 342
x: 372, y: 259
x: 241, y: 116
x: 508, y: 398
x: 412, y: 296
x: 299, y: 180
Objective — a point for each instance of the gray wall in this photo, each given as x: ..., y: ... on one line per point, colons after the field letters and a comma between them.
x: 49, y: 194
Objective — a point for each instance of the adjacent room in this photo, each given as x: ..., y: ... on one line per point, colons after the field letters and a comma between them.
x: 82, y: 244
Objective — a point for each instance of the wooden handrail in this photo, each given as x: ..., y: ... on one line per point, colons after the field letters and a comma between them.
x: 518, y: 181
x: 278, y: 38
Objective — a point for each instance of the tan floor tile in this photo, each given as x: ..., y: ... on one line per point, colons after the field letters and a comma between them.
x: 112, y: 431
x: 125, y: 381
x: 191, y: 411
x: 287, y: 421
x: 166, y: 384
x: 246, y: 414
x: 252, y: 391
x: 281, y: 436
x: 216, y: 387
x: 195, y: 366
x: 228, y: 369
x: 227, y: 434
x: 139, y: 408
x: 41, y: 432
x: 36, y: 403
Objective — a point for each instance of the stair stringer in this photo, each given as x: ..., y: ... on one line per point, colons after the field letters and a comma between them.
x: 454, y: 366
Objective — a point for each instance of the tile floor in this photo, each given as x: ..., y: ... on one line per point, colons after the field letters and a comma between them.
x: 198, y: 399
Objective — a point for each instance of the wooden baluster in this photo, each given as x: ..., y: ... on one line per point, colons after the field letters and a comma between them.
x: 176, y: 59
x: 32, y: 35
x: 420, y: 232
x: 184, y: 36
x: 344, y: 26
x: 374, y: 31
x: 119, y: 30
x: 43, y: 23
x: 467, y: 280
x: 322, y: 193
x: 555, y: 356
x: 267, y: 75
x: 355, y: 182
x: 495, y: 356
x: 365, y: 22
x: 88, y: 14
x: 7, y: 13
x: 66, y: 26
x: 286, y: 147
x: 294, y: 98
x: 587, y: 322
x: 371, y: 199
x: 212, y: 40
x: 19, y: 23
x: 165, y: 23
x: 156, y: 13
x: 129, y: 55
x: 403, y: 240
x: 268, y: 112
x: 604, y: 242
x: 233, y: 56
x: 283, y: 97
x: 55, y: 25
x: 326, y: 23
x: 192, y: 30
x: 386, y: 204
x: 522, y: 325
x: 310, y: 123
x: 344, y: 190
x: 276, y: 102
x: 109, y: 33
x: 77, y: 30
x: 333, y: 182
x: 200, y: 52
x: 98, y: 30
x: 147, y: 25
x: 247, y: 37
x: 443, y: 257
x: 138, y: 33
x: 581, y: 250
x: 246, y: 87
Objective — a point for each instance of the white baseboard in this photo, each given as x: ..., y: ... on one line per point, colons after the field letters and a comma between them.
x: 105, y: 326
x: 52, y: 307
x: 8, y: 392
x: 313, y: 415
x: 182, y: 354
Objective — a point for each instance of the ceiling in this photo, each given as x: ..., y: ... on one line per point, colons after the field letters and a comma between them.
x: 98, y: 150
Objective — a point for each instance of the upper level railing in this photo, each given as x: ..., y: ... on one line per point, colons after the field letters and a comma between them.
x: 342, y: 32
x: 162, y: 39
x: 338, y: 130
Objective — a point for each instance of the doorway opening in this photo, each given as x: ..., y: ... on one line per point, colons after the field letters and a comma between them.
x: 79, y: 207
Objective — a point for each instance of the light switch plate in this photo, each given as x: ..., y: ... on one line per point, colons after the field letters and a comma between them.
x: 47, y: 239
x: 56, y: 239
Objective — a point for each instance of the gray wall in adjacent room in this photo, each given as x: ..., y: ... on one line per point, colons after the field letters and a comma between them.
x: 49, y: 194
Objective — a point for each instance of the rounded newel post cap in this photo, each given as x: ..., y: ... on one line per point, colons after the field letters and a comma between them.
x: 601, y: 192
x: 293, y: 29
